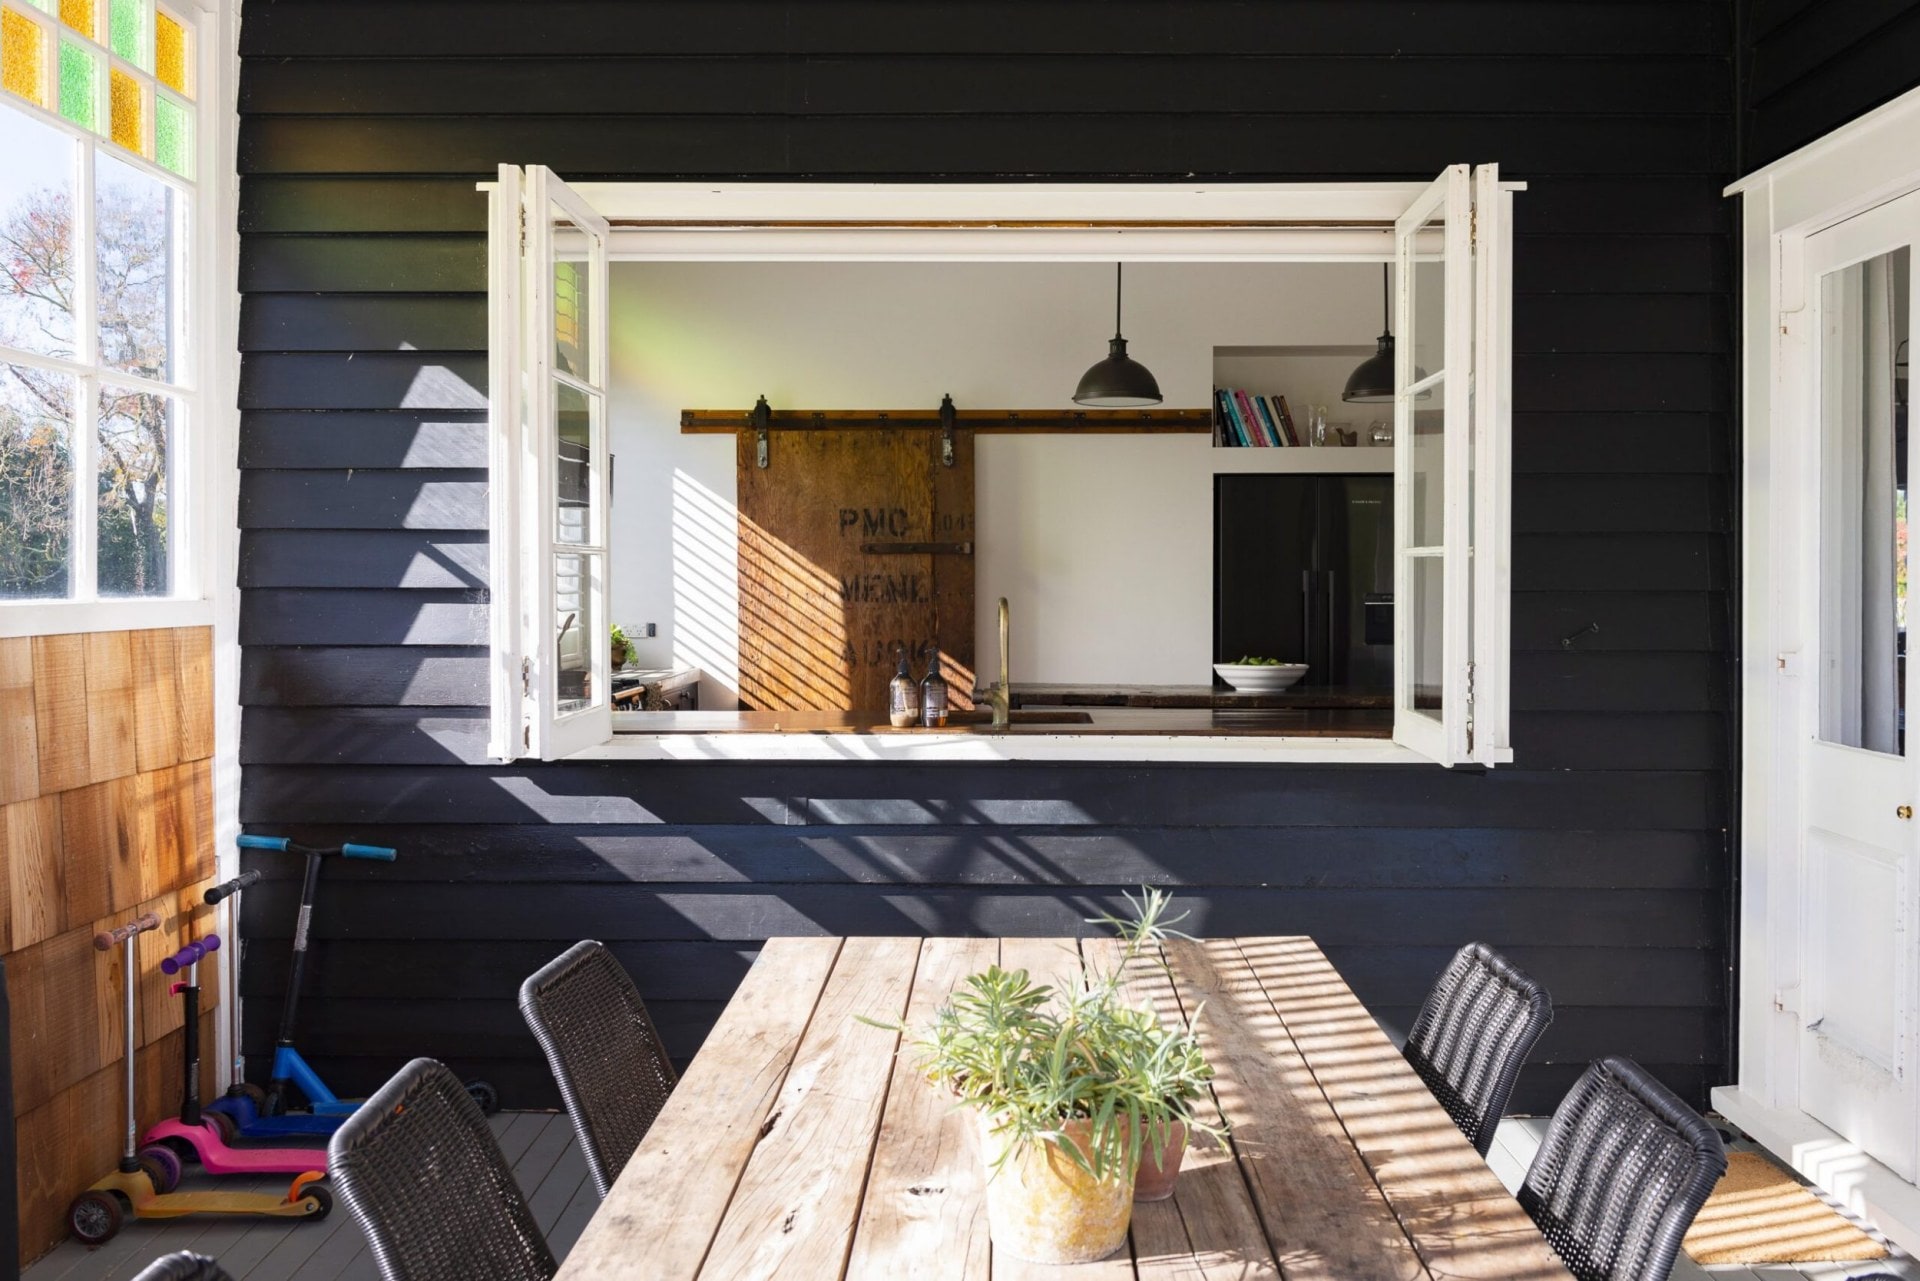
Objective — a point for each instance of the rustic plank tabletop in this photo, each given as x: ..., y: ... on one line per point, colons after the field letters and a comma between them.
x: 799, y: 1145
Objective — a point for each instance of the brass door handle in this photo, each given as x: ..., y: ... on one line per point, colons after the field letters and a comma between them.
x: 1905, y: 811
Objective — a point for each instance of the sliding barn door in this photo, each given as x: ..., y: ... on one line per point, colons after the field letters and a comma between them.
x: 855, y: 546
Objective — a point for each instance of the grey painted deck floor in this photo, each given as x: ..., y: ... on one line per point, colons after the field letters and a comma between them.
x: 539, y: 1144
x: 541, y: 1147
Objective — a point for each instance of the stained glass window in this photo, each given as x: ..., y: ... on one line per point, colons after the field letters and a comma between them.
x: 127, y: 112
x: 23, y: 57
x: 79, y: 85
x: 170, y: 52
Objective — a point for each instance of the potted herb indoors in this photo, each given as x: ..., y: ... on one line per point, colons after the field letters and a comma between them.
x: 621, y: 649
x: 1071, y: 1086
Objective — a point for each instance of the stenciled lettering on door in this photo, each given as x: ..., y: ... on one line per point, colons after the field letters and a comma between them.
x: 849, y: 557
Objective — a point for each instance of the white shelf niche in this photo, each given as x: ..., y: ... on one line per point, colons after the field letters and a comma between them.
x: 1306, y: 376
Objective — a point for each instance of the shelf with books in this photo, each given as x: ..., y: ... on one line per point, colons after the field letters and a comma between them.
x: 1265, y: 397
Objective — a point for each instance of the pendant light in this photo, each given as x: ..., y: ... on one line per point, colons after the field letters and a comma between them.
x: 1119, y: 381
x: 1372, y: 381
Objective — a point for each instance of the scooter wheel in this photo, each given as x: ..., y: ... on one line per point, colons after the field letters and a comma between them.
x: 223, y: 1125
x: 322, y: 1198
x: 485, y: 1095
x: 249, y: 1091
x: 162, y: 1165
x: 95, y: 1216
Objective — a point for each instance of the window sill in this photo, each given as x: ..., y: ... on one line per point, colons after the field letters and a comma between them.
x: 964, y: 747
x: 65, y: 617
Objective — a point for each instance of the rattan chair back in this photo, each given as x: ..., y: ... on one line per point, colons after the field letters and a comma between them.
x: 1624, y: 1168
x: 184, y: 1265
x: 421, y: 1171
x: 614, y: 1074
x: 1469, y: 1040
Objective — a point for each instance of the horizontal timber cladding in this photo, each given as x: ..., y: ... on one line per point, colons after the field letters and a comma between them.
x: 1810, y: 66
x: 1600, y: 859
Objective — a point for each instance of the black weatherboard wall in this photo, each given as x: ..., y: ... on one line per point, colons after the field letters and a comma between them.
x: 1809, y: 66
x: 1600, y: 860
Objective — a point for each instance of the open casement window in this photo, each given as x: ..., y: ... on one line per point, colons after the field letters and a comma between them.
x: 551, y: 641
x: 1450, y: 470
x: 549, y: 345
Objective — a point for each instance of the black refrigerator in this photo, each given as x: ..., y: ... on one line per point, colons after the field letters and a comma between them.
x: 1303, y: 572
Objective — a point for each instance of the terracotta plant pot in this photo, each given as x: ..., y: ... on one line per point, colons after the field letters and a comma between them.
x: 1044, y: 1208
x: 1153, y: 1181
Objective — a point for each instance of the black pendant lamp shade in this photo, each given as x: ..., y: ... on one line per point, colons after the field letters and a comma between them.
x: 1372, y: 380
x: 1119, y: 381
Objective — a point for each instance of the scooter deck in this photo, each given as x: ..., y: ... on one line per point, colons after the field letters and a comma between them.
x: 255, y: 1126
x: 147, y: 1204
x: 217, y: 1158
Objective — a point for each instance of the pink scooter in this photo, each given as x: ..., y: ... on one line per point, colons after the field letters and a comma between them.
x: 205, y: 1134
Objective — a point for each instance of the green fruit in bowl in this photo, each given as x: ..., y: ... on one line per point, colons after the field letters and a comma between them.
x: 1250, y: 661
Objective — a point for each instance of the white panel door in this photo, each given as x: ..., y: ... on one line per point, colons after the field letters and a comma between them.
x: 1857, y: 1073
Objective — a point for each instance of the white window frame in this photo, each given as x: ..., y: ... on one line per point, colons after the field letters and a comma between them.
x: 854, y: 222
x: 200, y: 490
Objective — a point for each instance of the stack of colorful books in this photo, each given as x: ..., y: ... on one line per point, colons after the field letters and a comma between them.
x: 1248, y: 419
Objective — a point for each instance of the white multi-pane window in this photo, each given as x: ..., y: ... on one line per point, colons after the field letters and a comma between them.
x: 97, y: 353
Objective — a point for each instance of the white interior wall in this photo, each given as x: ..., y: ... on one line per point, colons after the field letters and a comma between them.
x: 1102, y: 544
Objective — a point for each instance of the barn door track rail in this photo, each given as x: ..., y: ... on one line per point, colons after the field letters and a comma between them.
x: 763, y: 420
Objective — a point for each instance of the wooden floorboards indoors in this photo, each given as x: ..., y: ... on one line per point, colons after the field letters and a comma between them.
x: 548, y: 1164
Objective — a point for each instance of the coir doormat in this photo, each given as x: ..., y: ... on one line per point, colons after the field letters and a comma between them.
x: 1759, y: 1213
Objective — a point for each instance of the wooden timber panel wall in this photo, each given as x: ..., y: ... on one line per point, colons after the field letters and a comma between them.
x: 1809, y: 66
x: 1601, y: 858
x: 106, y: 812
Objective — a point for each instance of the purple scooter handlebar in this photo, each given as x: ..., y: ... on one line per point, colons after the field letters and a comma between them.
x: 190, y: 954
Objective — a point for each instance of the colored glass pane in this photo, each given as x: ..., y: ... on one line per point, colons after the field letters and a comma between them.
x: 127, y: 24
x: 173, y: 136
x: 23, y: 57
x: 44, y: 6
x: 125, y: 105
x: 79, y: 85
x: 79, y: 14
x: 170, y: 53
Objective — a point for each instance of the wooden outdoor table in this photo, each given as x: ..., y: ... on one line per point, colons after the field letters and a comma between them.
x: 798, y: 1144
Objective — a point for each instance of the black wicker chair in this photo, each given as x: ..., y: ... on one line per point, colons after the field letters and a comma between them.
x: 614, y: 1074
x: 1470, y: 1038
x: 184, y: 1265
x: 422, y: 1173
x: 1624, y: 1168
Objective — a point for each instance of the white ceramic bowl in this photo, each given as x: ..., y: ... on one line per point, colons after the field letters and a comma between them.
x: 1260, y: 678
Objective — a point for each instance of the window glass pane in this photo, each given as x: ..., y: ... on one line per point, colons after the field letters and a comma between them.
x: 44, y: 6
x: 573, y: 465
x: 570, y: 298
x: 36, y: 481
x: 1426, y: 646
x: 1863, y: 504
x: 173, y: 136
x: 127, y: 111
x: 128, y: 26
x: 136, y: 435
x: 36, y: 230
x: 79, y: 85
x: 170, y: 53
x: 79, y: 14
x: 23, y: 57
x: 1429, y: 304
x: 1429, y: 478
x: 574, y: 624
x: 136, y: 227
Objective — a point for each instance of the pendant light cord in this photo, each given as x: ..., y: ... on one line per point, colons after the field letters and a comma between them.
x: 1116, y: 299
x: 1386, y: 299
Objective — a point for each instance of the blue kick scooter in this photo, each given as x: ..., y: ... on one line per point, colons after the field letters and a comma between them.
x: 269, y: 1114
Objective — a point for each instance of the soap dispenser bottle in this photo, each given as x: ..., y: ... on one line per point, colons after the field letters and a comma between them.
x: 933, y: 694
x: 903, y: 696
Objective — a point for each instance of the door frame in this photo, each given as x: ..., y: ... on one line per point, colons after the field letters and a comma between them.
x: 1874, y: 160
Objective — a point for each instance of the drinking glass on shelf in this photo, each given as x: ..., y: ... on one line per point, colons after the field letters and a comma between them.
x: 1380, y: 432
